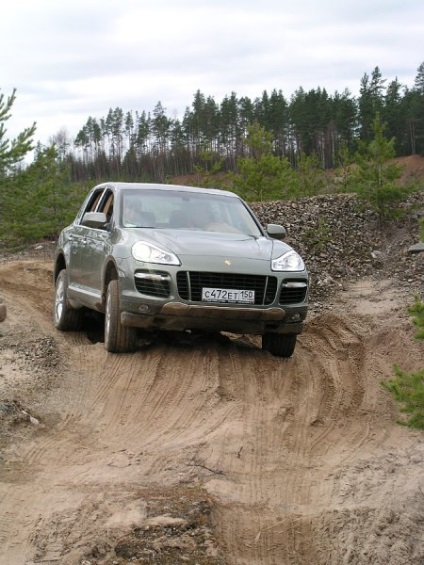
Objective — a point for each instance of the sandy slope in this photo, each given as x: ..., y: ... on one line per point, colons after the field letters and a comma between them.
x: 207, y: 452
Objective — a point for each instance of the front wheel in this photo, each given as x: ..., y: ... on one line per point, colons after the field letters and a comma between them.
x: 65, y: 317
x: 118, y: 338
x: 280, y: 345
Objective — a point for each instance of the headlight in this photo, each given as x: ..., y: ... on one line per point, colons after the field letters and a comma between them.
x: 148, y: 253
x: 289, y: 261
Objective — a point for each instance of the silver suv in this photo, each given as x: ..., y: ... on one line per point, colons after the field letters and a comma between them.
x: 155, y: 257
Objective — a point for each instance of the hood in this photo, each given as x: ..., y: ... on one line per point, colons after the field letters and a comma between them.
x: 190, y: 243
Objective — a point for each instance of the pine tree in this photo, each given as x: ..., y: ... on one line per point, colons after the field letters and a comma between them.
x: 262, y: 175
x: 370, y: 102
x: 12, y: 151
x: 39, y: 201
x: 392, y: 114
x: 376, y: 174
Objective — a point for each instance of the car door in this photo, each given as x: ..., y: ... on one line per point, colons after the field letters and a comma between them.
x: 77, y: 241
x: 95, y: 247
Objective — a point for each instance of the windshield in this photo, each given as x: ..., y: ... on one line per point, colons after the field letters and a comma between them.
x: 172, y: 209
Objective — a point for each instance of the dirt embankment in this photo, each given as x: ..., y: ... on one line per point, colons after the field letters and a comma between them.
x: 210, y: 452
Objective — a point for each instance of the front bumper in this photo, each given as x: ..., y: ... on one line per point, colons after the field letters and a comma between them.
x: 178, y: 316
x: 161, y: 301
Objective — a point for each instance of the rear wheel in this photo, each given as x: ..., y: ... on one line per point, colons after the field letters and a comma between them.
x: 65, y: 317
x: 118, y: 338
x: 280, y: 345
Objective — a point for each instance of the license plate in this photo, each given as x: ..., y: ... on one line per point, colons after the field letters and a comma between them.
x: 228, y: 295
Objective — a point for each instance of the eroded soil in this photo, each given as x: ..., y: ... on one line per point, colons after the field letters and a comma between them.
x: 210, y: 452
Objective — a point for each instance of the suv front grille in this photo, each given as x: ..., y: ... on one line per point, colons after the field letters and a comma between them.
x: 154, y: 283
x: 190, y: 284
x: 293, y: 292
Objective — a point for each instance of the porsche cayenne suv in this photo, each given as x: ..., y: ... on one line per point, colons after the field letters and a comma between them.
x: 157, y: 257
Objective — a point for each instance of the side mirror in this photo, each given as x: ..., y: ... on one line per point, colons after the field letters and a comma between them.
x: 276, y: 231
x: 94, y: 219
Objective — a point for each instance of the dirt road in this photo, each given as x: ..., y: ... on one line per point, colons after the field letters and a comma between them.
x: 208, y: 452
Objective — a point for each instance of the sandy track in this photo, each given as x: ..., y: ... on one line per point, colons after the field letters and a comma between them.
x: 300, y: 461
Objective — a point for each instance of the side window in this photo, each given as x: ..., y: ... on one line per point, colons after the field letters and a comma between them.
x: 94, y: 201
x: 90, y: 205
x: 100, y: 201
x: 106, y: 205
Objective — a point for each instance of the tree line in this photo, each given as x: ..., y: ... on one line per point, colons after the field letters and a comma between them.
x: 153, y: 146
x: 259, y: 155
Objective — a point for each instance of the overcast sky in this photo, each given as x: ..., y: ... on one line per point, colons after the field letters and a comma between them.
x: 75, y: 59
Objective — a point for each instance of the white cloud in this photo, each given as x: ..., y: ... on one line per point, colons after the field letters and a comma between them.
x: 70, y: 61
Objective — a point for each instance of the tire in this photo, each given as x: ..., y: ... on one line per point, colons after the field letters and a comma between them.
x: 280, y: 345
x: 118, y: 338
x: 65, y: 318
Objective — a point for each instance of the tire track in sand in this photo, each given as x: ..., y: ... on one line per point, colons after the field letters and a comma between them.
x: 267, y: 437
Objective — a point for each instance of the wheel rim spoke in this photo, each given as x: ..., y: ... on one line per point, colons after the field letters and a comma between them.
x: 60, y: 297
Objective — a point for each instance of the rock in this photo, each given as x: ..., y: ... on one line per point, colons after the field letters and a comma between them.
x: 3, y: 312
x: 417, y: 248
x: 339, y: 240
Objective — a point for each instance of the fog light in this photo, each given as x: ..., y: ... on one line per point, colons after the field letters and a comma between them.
x: 296, y: 317
x: 144, y: 309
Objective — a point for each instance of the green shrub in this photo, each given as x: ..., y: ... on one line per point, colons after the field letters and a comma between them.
x: 408, y: 388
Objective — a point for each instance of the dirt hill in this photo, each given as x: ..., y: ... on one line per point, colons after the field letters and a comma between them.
x: 215, y: 452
